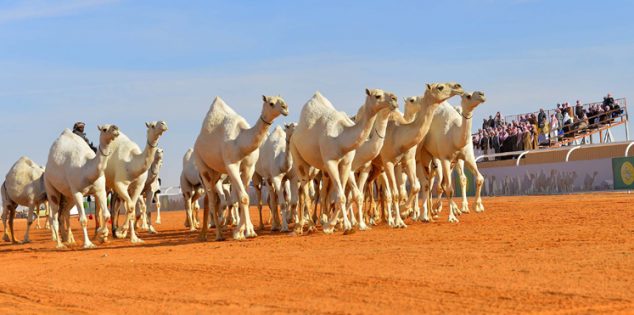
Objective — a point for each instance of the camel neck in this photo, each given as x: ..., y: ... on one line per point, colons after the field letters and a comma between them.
x: 415, y: 131
x: 142, y: 162
x: 250, y: 139
x: 353, y: 136
x: 95, y: 167
x: 466, y: 119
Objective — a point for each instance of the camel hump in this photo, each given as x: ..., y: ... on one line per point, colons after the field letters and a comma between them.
x: 278, y: 130
x: 188, y: 154
x: 218, y: 106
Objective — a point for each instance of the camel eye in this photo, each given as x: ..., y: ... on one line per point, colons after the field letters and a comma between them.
x: 378, y: 97
x: 468, y: 96
x: 440, y: 88
x: 458, y: 86
x: 272, y: 104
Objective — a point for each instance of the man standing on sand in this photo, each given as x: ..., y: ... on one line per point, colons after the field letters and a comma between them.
x: 78, y: 129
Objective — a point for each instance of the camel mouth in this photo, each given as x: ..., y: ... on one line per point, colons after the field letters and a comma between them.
x: 285, y: 112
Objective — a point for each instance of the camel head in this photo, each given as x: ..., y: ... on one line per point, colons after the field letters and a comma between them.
x: 440, y: 92
x: 377, y: 99
x: 471, y: 100
x: 154, y: 131
x: 289, y: 129
x: 272, y: 107
x: 107, y: 133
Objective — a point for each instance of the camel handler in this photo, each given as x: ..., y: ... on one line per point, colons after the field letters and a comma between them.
x: 78, y: 129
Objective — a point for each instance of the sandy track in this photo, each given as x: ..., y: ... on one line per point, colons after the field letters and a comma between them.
x: 544, y: 254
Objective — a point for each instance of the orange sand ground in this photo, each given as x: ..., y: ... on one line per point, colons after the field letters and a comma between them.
x: 543, y: 254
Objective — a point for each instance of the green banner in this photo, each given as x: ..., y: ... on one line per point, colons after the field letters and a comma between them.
x: 623, y: 172
x: 471, y: 187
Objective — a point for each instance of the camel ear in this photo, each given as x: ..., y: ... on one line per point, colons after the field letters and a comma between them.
x: 367, y: 92
x: 147, y: 124
x: 428, y: 86
x: 99, y: 127
x: 264, y: 98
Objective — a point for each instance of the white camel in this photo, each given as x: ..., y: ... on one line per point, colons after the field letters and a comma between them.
x: 401, y: 142
x: 366, y: 153
x: 23, y: 186
x: 449, y: 141
x: 274, y: 162
x: 149, y: 193
x: 73, y: 171
x: 192, y: 189
x: 326, y: 139
x: 127, y: 173
x: 227, y: 145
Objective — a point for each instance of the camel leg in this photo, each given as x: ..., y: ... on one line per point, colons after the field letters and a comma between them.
x: 102, y: 215
x: 29, y: 222
x: 424, y: 178
x: 393, y: 185
x: 10, y: 233
x: 361, y: 182
x: 115, y: 203
x: 143, y: 209
x: 55, y: 203
x: 233, y: 171
x: 448, y: 189
x: 463, y: 186
x: 36, y: 217
x: 332, y: 168
x: 130, y: 208
x: 386, y: 199
x: 410, y: 171
x: 78, y: 198
x: 47, y: 211
x: 189, y: 204
x: 357, y: 196
x: 278, y: 200
x: 471, y: 164
x: 148, y: 201
x: 158, y: 208
x: 209, y: 179
x: 294, y: 199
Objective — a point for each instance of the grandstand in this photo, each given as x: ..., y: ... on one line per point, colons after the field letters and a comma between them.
x: 603, y: 124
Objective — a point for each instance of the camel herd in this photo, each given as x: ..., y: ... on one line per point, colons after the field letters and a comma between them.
x: 318, y: 171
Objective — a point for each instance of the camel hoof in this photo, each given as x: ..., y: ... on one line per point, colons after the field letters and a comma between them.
x: 453, y: 220
x: 136, y: 240
x: 390, y: 222
x: 26, y: 241
x: 60, y: 246
x: 364, y: 228
x: 261, y: 227
x: 192, y: 229
x: 6, y: 238
x: 89, y: 245
x: 121, y: 234
x: 151, y: 230
x: 329, y: 230
x: 158, y: 221
x: 202, y: 237
x: 220, y: 239
x: 349, y: 232
x: 479, y: 208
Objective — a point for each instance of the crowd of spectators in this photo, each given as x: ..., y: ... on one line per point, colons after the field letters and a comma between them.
x: 531, y: 131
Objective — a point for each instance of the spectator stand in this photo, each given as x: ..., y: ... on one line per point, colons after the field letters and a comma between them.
x: 601, y: 126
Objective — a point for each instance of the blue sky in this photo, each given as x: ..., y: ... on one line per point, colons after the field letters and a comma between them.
x: 127, y: 62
